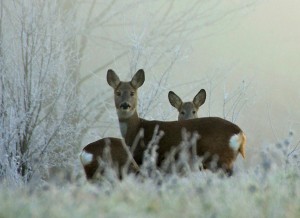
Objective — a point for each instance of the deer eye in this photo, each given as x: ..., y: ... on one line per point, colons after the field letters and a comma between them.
x: 131, y: 93
x: 194, y: 112
x: 182, y: 112
x: 118, y: 93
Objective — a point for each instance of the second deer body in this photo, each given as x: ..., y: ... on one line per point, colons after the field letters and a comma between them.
x: 95, y: 159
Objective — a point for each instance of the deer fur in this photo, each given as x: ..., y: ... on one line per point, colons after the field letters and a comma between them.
x: 94, y: 153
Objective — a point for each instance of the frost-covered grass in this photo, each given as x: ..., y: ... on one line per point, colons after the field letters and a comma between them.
x: 198, y: 195
x: 268, y: 188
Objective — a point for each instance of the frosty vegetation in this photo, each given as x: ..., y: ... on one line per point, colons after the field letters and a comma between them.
x: 269, y: 188
x: 39, y: 104
x: 44, y: 116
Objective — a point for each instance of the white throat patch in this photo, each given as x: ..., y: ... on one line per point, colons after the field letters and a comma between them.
x: 123, y: 128
x: 125, y: 114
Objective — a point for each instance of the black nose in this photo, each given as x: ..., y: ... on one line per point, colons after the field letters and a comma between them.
x: 125, y: 106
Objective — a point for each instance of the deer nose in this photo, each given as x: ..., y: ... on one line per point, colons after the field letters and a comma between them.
x: 125, y: 106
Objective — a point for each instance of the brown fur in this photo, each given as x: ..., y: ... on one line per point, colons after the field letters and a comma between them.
x: 119, y: 157
x: 214, y: 135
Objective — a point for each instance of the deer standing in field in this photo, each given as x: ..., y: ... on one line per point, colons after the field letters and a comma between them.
x: 218, y: 137
x: 92, y: 154
x: 94, y: 158
x: 187, y: 110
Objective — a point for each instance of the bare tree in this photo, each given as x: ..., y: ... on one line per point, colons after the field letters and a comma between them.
x: 235, y: 97
x: 39, y: 106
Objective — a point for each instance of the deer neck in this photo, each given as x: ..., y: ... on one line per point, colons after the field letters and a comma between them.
x: 129, y: 127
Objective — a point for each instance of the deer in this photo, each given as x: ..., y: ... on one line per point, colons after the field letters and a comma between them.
x: 217, y: 136
x: 95, y: 158
x: 94, y: 152
x: 187, y: 110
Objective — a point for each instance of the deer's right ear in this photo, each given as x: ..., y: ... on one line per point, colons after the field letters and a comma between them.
x: 174, y: 100
x: 138, y: 79
x: 112, y: 79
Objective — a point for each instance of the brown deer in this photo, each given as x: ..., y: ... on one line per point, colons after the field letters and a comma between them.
x: 92, y: 154
x: 94, y: 158
x: 217, y: 137
x: 187, y: 110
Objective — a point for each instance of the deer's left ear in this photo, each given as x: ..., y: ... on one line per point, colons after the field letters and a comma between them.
x: 112, y: 79
x: 199, y: 99
x: 138, y: 79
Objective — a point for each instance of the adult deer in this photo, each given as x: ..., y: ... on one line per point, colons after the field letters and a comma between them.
x: 187, y: 110
x: 218, y: 137
x: 95, y: 159
x: 93, y: 154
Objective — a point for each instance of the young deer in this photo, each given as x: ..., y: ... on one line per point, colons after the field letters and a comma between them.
x: 94, y: 158
x: 218, y: 137
x: 187, y: 110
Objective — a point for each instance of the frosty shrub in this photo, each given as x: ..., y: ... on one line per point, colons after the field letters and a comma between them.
x: 39, y: 106
x: 284, y: 154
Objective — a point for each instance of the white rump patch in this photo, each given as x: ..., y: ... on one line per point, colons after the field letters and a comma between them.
x: 235, y: 142
x: 86, y: 158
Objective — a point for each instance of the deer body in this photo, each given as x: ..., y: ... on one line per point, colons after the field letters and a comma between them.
x: 92, y: 155
x: 217, y: 136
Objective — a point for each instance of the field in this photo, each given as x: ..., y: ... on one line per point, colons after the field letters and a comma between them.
x: 269, y: 188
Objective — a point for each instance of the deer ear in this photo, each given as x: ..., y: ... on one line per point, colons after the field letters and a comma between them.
x: 199, y: 99
x: 112, y: 78
x: 174, y: 100
x: 138, y: 79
